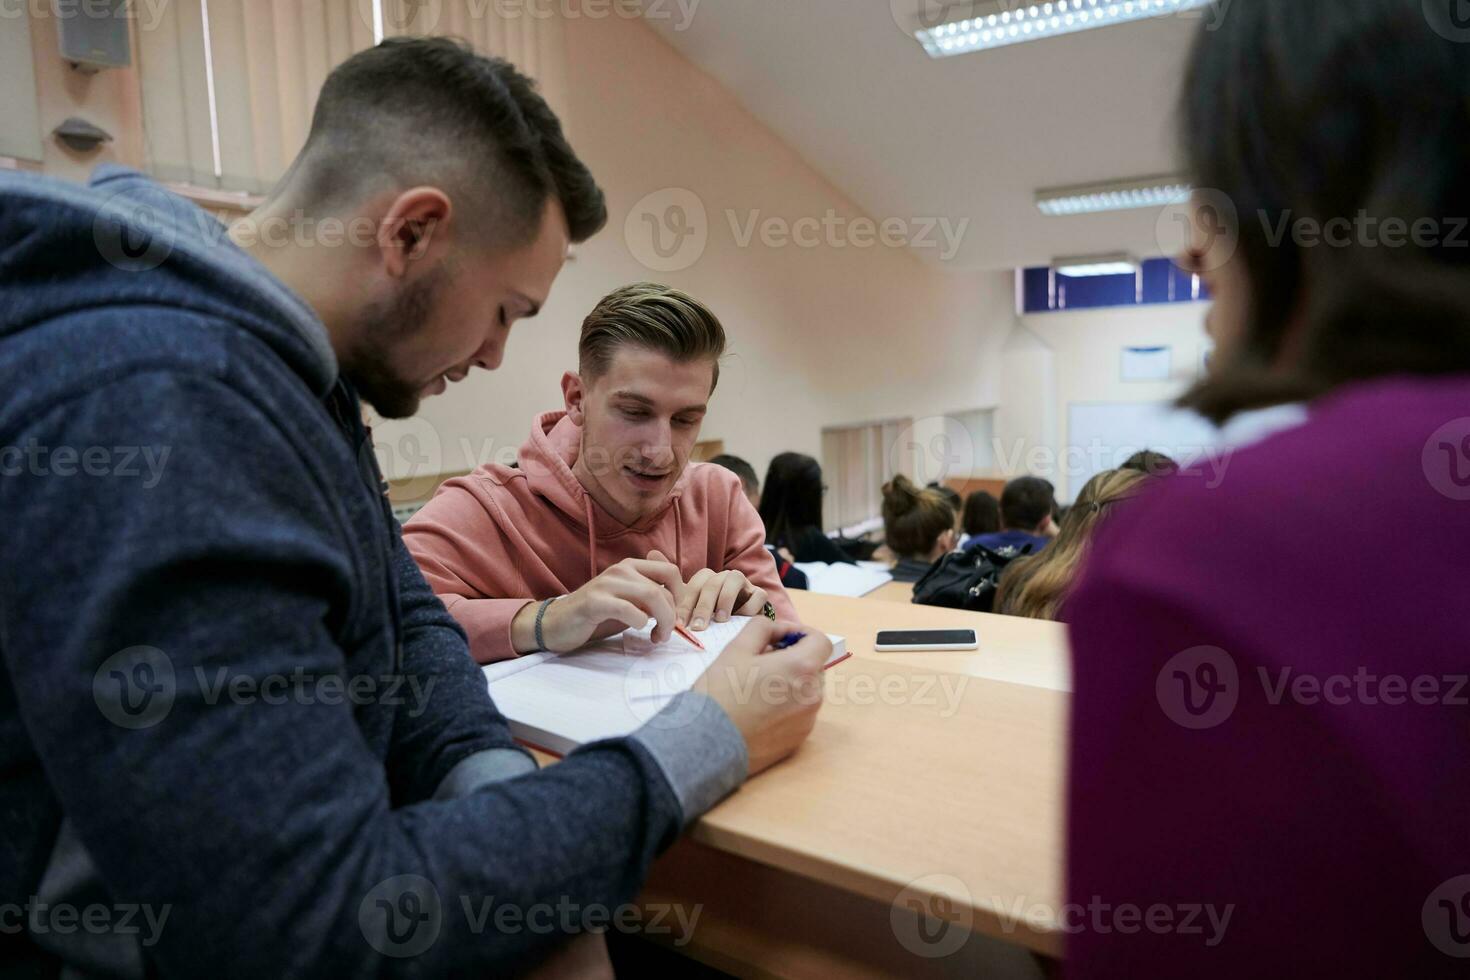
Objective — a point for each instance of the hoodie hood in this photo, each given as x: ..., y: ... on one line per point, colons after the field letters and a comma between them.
x: 547, y: 458
x: 66, y: 249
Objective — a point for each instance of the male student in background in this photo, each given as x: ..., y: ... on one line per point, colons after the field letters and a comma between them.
x: 749, y: 481
x: 227, y: 695
x: 604, y: 505
x: 1027, y: 506
x: 791, y: 576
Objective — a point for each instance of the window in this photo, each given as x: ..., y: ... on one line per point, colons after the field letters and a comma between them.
x: 1044, y: 290
x: 856, y: 461
x: 20, y: 117
x: 228, y: 86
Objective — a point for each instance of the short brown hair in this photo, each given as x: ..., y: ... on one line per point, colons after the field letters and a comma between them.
x: 429, y: 110
x: 654, y: 317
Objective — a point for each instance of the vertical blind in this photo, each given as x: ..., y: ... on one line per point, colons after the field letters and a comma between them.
x: 856, y: 462
x: 234, y: 114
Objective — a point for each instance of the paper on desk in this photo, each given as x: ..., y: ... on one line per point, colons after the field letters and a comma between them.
x: 608, y: 689
x: 845, y: 580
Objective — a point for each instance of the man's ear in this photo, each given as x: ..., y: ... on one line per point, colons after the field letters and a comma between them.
x: 415, y: 226
x: 573, y: 393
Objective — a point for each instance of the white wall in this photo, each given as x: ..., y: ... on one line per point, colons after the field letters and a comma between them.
x: 1080, y: 350
x: 821, y: 336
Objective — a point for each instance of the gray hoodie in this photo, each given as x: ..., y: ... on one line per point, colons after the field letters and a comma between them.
x: 239, y: 735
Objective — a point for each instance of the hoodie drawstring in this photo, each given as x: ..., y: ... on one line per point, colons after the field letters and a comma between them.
x: 678, y: 539
x: 591, y: 539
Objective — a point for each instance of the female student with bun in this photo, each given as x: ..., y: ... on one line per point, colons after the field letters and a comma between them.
x: 1269, y: 726
x: 791, y: 506
x: 1037, y: 586
x: 918, y: 527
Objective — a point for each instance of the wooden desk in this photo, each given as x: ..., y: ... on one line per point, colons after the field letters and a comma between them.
x: 892, y: 592
x: 1016, y: 651
x: 931, y: 781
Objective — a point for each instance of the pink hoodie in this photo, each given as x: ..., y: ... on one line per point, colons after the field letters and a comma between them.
x: 499, y: 538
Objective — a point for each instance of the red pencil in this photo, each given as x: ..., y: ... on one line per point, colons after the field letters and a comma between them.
x: 688, y: 636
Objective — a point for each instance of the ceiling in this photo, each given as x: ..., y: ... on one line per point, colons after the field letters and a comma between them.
x: 972, y: 136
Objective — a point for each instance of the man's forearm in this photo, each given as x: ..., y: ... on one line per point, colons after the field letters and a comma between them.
x: 490, y: 625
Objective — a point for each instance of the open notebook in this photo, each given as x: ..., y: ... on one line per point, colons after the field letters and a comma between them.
x: 556, y: 702
x: 849, y: 580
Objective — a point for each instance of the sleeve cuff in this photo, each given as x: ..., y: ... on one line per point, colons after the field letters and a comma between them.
x: 698, y: 749
x: 482, y: 769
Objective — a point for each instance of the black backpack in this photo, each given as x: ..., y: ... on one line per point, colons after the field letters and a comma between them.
x: 966, y: 579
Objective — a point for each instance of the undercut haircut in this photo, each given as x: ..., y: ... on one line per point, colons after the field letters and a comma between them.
x: 651, y: 317
x: 429, y: 111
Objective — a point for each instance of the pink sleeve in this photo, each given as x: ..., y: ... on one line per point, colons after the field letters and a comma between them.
x: 458, y: 548
x: 746, y: 552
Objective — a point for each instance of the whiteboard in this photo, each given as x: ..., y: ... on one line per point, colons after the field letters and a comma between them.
x: 1102, y: 435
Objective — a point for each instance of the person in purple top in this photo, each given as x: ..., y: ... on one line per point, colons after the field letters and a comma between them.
x: 1270, y: 723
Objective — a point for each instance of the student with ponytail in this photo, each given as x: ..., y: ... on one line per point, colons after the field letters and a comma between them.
x: 1037, y: 586
x: 918, y: 527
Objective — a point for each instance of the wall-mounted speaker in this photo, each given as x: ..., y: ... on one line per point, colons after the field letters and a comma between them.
x: 94, y: 34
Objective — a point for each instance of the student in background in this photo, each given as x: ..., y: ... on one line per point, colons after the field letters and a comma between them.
x: 981, y: 516
x: 605, y: 508
x: 791, y: 506
x: 1026, y: 507
x: 1037, y: 586
x: 956, y: 502
x: 918, y: 527
x: 749, y: 482
x: 169, y: 732
x: 1263, y: 726
x: 791, y: 576
x: 1150, y: 462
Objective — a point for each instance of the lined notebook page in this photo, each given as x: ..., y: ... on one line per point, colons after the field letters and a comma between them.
x: 559, y: 701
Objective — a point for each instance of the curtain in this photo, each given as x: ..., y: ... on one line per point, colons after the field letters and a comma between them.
x: 856, y: 462
x: 269, y: 59
x: 175, y: 90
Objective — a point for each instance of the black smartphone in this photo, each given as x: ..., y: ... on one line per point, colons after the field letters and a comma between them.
x: 892, y: 640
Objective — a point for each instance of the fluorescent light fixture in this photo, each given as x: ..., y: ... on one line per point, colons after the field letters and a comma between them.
x: 1114, y: 264
x: 985, y: 24
x: 1121, y: 195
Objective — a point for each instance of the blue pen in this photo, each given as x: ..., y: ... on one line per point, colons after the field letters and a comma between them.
x: 789, y: 640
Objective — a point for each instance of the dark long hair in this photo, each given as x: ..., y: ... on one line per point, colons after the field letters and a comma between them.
x: 1325, y: 110
x: 982, y: 513
x: 791, y: 498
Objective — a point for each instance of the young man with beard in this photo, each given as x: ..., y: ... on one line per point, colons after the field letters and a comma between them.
x: 227, y: 695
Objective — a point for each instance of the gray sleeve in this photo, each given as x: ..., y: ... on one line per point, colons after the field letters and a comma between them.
x: 698, y: 749
x: 482, y: 769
